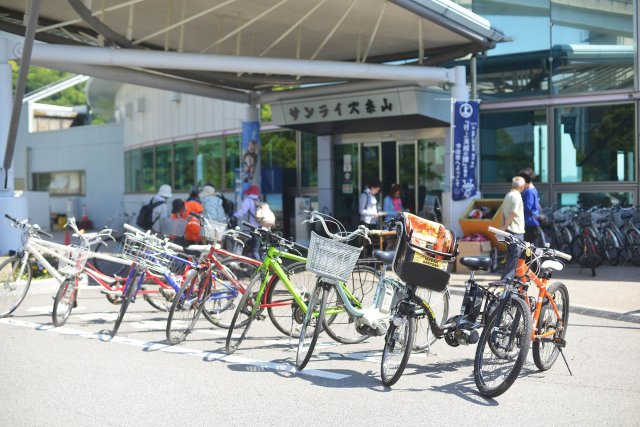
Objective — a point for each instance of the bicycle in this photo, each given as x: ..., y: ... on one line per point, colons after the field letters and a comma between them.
x: 283, y: 290
x: 550, y: 310
x: 587, y: 248
x: 631, y: 235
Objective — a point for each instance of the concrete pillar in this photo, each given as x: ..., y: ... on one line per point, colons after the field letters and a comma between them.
x: 325, y: 174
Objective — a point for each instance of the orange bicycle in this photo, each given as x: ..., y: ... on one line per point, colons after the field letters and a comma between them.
x: 550, y: 310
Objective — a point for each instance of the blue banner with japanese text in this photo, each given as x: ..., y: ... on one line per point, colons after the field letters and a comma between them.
x: 465, y: 132
x: 250, y: 165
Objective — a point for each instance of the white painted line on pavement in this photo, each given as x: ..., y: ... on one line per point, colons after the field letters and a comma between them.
x: 156, y: 346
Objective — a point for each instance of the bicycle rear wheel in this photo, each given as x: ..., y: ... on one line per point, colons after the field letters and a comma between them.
x: 545, y: 350
x: 633, y: 245
x: 246, y: 312
x: 15, y: 279
x: 221, y: 305
x: 503, y: 347
x: 127, y: 296
x: 439, y: 302
x: 340, y: 324
x: 397, y: 348
x: 64, y: 302
x: 313, y: 320
x: 187, y: 305
x: 110, y: 247
x: 610, y: 246
x: 158, y: 297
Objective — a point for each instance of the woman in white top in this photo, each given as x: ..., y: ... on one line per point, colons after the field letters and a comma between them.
x: 368, y: 204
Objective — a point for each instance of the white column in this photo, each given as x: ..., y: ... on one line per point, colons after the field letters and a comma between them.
x: 325, y: 174
x: 9, y: 202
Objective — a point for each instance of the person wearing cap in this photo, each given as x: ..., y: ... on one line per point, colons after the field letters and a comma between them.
x: 247, y: 212
x: 162, y: 210
x: 213, y: 209
x: 181, y: 209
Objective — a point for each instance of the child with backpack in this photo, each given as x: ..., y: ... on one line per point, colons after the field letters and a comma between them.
x: 157, y: 208
x: 213, y: 207
x: 247, y: 212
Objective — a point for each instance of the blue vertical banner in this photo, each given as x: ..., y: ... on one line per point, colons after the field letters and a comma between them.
x: 465, y: 135
x: 250, y: 161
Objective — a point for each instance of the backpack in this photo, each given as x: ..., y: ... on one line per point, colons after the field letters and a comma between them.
x: 192, y: 230
x: 229, y: 208
x: 145, y: 216
x: 264, y: 215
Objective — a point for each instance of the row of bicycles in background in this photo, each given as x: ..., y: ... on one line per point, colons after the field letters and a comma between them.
x: 328, y: 287
x: 591, y: 236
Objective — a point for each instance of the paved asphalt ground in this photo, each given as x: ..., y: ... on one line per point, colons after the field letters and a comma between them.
x: 73, y: 376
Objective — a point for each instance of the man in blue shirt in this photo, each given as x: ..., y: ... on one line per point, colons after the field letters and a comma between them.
x: 531, y: 203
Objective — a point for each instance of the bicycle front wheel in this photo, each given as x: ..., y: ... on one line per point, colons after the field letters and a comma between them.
x: 127, y: 296
x: 225, y: 295
x: 439, y: 302
x: 246, y: 312
x: 611, y: 247
x: 15, y: 279
x: 187, y: 306
x: 64, y: 302
x: 397, y: 348
x: 545, y: 350
x: 503, y: 347
x: 313, y: 320
x: 340, y: 323
x: 114, y: 248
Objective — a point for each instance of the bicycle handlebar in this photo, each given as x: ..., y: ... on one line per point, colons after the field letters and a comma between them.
x: 361, y: 231
x: 148, y: 235
x: 511, y: 239
x: 24, y: 224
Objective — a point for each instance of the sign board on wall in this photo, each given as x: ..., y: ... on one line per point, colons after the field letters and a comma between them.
x: 465, y: 133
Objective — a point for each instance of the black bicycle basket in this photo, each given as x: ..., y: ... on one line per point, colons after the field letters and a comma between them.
x: 426, y: 250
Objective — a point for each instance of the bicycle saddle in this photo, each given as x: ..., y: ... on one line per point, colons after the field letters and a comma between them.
x: 476, y: 262
x: 384, y: 256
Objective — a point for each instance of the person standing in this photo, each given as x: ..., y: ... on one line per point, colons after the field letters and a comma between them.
x: 247, y: 212
x: 213, y: 209
x: 392, y: 204
x: 368, y: 204
x: 162, y: 209
x: 513, y: 222
x: 531, y: 204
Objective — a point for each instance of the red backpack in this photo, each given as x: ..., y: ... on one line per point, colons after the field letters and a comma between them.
x: 192, y: 229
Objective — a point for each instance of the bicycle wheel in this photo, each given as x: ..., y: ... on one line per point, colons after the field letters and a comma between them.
x: 128, y: 295
x: 545, y: 350
x: 340, y: 324
x: 283, y: 311
x: 439, y: 302
x: 565, y: 241
x: 313, y: 320
x: 633, y: 245
x: 495, y: 260
x: 187, y: 305
x: 15, y: 279
x: 158, y: 297
x: 110, y: 247
x: 585, y: 249
x: 220, y: 307
x: 502, y: 349
x: 64, y: 302
x: 610, y: 246
x: 397, y: 349
x: 246, y: 312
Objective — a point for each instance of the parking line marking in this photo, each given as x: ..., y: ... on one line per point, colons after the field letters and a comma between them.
x: 158, y: 346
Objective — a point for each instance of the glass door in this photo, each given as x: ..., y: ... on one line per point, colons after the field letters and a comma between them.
x: 407, y: 174
x: 346, y: 178
x: 431, y: 178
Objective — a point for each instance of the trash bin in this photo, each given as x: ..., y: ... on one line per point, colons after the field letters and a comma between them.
x: 492, y: 216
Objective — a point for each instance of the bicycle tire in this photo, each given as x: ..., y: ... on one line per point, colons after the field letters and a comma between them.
x: 492, y: 344
x: 397, y: 349
x: 13, y: 289
x: 585, y: 252
x: 340, y: 326
x: 565, y: 243
x: 64, y: 302
x: 633, y: 245
x: 495, y: 260
x: 307, y: 342
x: 187, y: 305
x: 220, y: 311
x: 161, y: 301
x: 127, y: 296
x: 610, y: 246
x: 246, y: 312
x: 111, y: 247
x: 423, y: 338
x: 544, y: 350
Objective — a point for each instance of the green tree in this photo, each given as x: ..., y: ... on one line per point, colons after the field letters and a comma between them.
x: 39, y: 77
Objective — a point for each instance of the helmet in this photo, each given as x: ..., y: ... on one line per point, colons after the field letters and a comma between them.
x: 165, y: 191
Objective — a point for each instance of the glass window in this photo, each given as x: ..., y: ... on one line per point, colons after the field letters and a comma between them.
x: 148, y: 171
x: 587, y: 200
x: 133, y: 171
x: 278, y: 161
x: 347, y: 187
x: 232, y: 160
x: 184, y: 158
x: 209, y: 162
x: 431, y: 180
x: 309, y: 159
x: 510, y: 141
x: 407, y: 175
x: 595, y: 143
x: 164, y: 165
x: 71, y: 183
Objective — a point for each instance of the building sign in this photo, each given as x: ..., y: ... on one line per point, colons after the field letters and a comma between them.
x: 465, y: 132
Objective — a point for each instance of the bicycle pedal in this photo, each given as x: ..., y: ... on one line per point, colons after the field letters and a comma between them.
x: 261, y: 317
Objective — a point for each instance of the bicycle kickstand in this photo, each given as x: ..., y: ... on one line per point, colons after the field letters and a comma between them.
x: 560, y: 345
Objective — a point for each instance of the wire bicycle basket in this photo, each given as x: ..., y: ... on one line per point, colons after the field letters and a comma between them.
x: 149, y: 254
x: 331, y: 258
x: 212, y: 231
x: 75, y: 258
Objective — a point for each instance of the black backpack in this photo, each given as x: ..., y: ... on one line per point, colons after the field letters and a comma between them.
x: 145, y: 216
x: 229, y: 208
